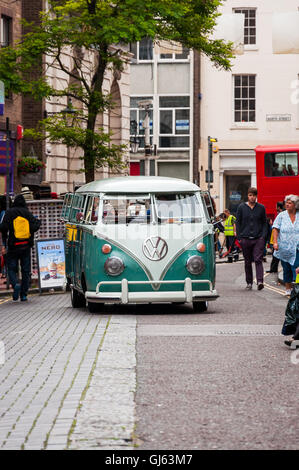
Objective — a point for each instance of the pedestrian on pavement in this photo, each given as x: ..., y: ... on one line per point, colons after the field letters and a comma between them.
x: 275, y: 261
x: 218, y: 228
x: 3, y: 267
x: 291, y: 323
x: 251, y: 230
x: 286, y: 240
x: 229, y: 233
x: 18, y: 228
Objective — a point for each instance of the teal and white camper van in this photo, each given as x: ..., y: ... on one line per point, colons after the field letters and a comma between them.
x: 139, y: 239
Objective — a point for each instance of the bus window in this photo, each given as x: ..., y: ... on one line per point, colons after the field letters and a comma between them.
x: 92, y: 210
x: 76, y: 214
x: 183, y: 208
x: 127, y: 210
x: 281, y: 164
x: 67, y: 203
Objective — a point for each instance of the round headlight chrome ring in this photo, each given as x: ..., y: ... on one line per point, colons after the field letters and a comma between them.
x: 114, y: 266
x: 195, y: 265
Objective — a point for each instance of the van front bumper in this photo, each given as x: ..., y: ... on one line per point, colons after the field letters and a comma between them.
x: 125, y: 297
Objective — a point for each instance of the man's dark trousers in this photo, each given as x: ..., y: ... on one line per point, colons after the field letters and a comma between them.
x: 13, y: 258
x: 253, y: 250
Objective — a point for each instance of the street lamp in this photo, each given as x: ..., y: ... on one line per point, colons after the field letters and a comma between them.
x: 134, y: 141
x: 209, y: 172
x: 146, y: 105
x: 68, y: 110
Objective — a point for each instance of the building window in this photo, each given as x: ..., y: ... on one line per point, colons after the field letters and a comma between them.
x: 183, y: 55
x: 5, y: 30
x: 250, y: 25
x: 244, y: 98
x: 142, y: 50
x: 174, y: 127
x: 137, y: 117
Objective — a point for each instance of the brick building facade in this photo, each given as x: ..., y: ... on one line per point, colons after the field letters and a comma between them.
x: 62, y: 165
x: 10, y: 30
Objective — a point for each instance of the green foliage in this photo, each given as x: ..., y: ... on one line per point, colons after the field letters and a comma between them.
x: 100, y: 29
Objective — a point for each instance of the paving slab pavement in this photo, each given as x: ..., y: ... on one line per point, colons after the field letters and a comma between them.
x: 58, y: 363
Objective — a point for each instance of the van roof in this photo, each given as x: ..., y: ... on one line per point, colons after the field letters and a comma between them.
x: 138, y: 184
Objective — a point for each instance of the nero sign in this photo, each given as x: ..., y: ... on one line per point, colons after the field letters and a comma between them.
x: 51, y: 263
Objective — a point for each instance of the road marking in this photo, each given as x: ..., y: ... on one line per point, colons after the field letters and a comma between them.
x: 209, y: 330
x: 274, y: 289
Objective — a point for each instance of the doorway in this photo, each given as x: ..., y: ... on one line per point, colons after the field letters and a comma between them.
x: 236, y: 191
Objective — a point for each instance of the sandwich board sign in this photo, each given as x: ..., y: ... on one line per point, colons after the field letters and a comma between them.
x: 50, y: 256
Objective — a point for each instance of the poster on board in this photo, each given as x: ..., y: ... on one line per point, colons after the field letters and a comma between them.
x: 51, y: 263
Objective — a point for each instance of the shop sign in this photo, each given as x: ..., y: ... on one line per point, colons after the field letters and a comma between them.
x: 51, y: 263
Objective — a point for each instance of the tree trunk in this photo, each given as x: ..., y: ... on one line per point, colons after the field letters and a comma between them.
x: 93, y: 110
x: 89, y: 175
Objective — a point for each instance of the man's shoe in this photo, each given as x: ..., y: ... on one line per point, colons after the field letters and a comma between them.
x: 16, y: 292
x: 271, y: 271
x: 248, y: 287
x: 293, y: 344
x: 23, y: 298
x: 260, y: 286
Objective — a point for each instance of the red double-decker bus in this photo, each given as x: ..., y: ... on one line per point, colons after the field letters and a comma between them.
x: 276, y: 174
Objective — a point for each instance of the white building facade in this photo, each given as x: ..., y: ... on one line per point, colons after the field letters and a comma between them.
x: 253, y: 104
x: 164, y: 75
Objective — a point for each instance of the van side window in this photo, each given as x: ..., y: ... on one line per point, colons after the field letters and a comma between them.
x: 67, y: 203
x: 92, y: 210
x: 208, y: 205
x: 77, y: 208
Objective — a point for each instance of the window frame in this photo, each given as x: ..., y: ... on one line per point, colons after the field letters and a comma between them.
x: 8, y: 20
x: 245, y: 10
x: 173, y: 57
x: 241, y: 123
x: 173, y: 134
x: 281, y: 155
x: 87, y: 216
x: 78, y: 203
x: 137, y: 57
x: 66, y: 207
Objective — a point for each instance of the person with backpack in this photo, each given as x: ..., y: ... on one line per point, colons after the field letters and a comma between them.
x: 18, y: 227
x: 3, y: 203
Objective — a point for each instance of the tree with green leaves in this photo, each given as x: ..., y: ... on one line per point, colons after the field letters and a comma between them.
x: 94, y: 35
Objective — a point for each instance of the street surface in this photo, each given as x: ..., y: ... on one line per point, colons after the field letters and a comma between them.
x: 150, y: 377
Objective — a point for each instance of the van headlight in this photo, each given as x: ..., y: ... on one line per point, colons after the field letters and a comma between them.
x: 195, y: 265
x: 114, y: 266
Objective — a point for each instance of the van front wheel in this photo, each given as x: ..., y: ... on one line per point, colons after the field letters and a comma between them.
x: 78, y: 299
x: 200, y: 306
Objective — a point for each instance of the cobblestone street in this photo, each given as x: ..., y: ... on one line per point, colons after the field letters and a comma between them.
x: 58, y: 364
x: 150, y: 376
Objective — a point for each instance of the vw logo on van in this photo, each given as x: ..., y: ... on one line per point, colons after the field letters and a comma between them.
x: 155, y: 248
